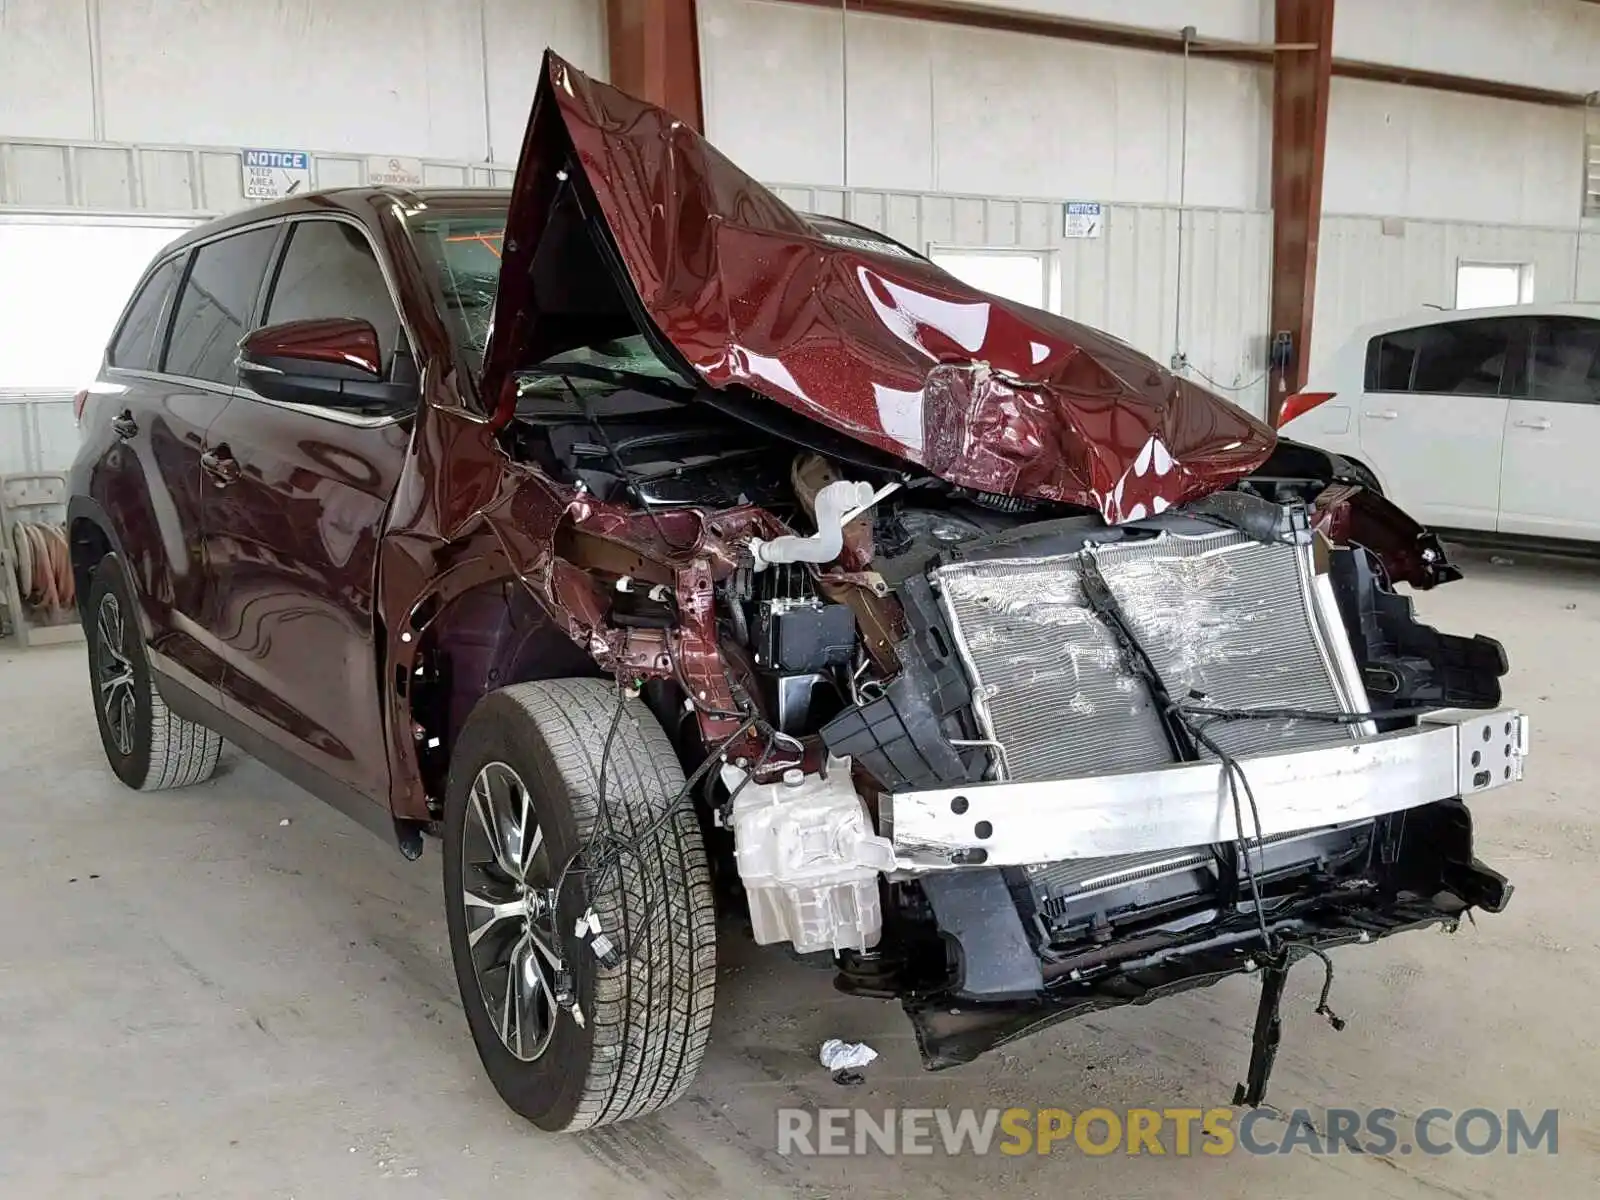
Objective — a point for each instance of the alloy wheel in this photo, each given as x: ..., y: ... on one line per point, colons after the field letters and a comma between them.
x: 510, y: 911
x: 114, y: 673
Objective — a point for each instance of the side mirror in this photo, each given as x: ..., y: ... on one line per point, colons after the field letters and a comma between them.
x: 334, y: 362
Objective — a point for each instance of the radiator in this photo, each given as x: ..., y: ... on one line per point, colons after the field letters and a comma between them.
x: 1243, y: 623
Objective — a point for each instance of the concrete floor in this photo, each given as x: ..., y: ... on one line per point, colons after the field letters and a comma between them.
x: 199, y: 1000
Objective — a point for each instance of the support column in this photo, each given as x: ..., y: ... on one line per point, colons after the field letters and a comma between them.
x: 655, y: 54
x: 1299, y: 148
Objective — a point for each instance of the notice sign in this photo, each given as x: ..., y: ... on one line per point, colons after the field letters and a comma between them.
x: 274, y: 174
x: 1084, y: 219
x: 394, y: 172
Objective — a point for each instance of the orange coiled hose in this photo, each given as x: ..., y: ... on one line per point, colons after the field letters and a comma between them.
x: 44, y: 565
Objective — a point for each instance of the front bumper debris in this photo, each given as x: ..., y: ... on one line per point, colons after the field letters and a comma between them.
x: 1451, y: 752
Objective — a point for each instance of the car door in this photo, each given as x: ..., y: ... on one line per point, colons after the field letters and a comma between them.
x: 171, y: 366
x: 1548, y: 481
x: 1433, y: 413
x: 292, y: 527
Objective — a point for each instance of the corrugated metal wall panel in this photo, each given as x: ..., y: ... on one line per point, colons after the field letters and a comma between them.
x: 113, y: 178
x: 37, y: 432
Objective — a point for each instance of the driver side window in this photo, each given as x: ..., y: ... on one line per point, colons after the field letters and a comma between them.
x: 329, y: 269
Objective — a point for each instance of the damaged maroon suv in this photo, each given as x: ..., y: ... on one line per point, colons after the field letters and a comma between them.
x: 668, y: 553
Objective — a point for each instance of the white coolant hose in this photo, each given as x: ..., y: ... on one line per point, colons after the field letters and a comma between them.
x: 835, y: 507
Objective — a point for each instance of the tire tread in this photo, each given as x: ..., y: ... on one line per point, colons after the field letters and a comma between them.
x: 652, y: 1013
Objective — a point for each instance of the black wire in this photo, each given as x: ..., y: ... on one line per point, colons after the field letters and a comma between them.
x: 623, y: 469
x: 678, y: 677
x: 604, y: 848
x: 1182, y: 731
x: 1304, y: 714
x: 1322, y: 1009
x: 1237, y: 777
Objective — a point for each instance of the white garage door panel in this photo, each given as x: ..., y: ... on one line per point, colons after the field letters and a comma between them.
x: 66, y: 284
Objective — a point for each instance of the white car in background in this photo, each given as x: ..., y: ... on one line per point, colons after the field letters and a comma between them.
x: 1485, y: 420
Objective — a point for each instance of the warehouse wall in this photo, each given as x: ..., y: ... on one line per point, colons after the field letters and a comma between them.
x: 1416, y: 152
x: 446, y: 78
x: 943, y: 108
x: 1541, y: 43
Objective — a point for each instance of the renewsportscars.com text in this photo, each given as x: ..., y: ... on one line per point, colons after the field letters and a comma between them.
x: 1165, y: 1131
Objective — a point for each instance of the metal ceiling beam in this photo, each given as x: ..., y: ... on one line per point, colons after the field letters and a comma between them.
x: 654, y: 50
x: 1300, y: 82
x: 1159, y: 41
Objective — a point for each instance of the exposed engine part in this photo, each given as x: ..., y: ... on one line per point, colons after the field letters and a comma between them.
x: 1077, y: 904
x: 803, y: 636
x: 909, y: 539
x: 793, y: 696
x: 808, y: 858
x: 999, y: 502
x: 836, y: 506
x: 907, y: 737
x: 808, y: 475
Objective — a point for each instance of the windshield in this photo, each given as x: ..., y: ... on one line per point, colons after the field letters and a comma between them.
x: 464, y: 251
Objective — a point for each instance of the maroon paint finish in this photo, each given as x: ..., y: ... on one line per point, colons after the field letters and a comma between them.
x: 341, y: 341
x: 1347, y: 514
x: 149, y: 485
x: 291, y: 549
x: 886, y: 348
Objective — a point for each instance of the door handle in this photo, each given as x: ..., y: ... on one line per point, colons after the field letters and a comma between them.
x: 1536, y: 423
x: 1382, y: 414
x: 221, y: 465
x: 123, y: 425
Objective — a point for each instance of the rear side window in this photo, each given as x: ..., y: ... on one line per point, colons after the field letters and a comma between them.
x: 330, y: 270
x: 1472, y: 358
x: 215, y: 305
x: 135, y: 341
x: 1564, y: 360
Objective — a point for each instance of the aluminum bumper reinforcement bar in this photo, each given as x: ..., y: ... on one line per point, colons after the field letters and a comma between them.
x: 1452, y: 752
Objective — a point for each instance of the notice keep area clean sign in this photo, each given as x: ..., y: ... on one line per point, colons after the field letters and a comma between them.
x: 274, y: 174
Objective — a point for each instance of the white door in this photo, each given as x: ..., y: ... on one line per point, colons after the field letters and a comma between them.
x: 1433, y: 415
x: 1549, y: 474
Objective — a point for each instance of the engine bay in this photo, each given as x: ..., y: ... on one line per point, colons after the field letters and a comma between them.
x: 834, y: 634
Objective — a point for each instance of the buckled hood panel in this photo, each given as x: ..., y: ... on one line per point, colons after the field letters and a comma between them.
x: 856, y: 334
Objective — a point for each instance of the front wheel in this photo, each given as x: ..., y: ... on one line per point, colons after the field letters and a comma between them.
x: 577, y: 1027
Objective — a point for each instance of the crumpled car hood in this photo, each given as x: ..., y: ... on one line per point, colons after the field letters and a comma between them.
x: 857, y: 335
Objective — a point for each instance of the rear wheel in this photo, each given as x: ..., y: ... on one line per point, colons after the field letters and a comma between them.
x: 577, y: 1028
x: 148, y: 746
